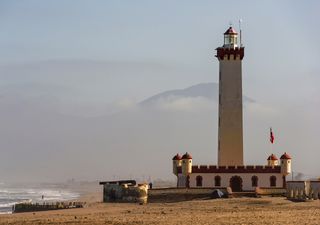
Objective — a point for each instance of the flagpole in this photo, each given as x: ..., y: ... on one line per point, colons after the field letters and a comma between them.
x: 270, y: 147
x: 271, y: 141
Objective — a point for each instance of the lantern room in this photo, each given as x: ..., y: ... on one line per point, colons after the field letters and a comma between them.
x: 230, y: 38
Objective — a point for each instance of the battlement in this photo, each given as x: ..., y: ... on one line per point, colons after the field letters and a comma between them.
x: 228, y: 52
x: 233, y: 169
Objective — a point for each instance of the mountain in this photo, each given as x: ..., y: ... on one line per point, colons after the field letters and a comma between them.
x: 205, y: 90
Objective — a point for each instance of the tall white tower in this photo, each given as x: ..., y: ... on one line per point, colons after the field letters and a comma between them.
x: 230, y: 137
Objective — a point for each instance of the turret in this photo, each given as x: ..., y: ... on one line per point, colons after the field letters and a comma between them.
x: 186, y: 164
x: 273, y: 160
x: 285, y: 161
x: 176, y: 162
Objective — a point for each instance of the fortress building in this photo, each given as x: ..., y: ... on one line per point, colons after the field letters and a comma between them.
x: 230, y: 170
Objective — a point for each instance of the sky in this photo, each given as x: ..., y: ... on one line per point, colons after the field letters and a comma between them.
x: 73, y: 72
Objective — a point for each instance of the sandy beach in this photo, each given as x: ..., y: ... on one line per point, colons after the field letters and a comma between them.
x: 265, y: 210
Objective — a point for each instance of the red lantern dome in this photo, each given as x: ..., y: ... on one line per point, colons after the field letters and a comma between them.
x: 231, y: 31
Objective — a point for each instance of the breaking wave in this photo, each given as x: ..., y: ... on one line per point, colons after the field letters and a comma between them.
x: 13, y: 195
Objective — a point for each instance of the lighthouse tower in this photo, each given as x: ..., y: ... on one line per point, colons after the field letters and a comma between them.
x: 230, y: 137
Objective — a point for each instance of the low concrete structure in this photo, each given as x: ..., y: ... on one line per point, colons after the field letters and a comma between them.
x: 124, y: 191
x: 302, y: 190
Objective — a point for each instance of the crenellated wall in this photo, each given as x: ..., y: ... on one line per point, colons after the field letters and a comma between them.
x: 233, y: 169
x: 227, y: 53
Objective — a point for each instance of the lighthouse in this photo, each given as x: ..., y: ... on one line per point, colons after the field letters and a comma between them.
x: 231, y: 171
x: 230, y: 131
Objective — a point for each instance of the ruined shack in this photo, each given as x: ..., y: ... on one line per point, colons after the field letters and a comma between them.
x: 124, y: 191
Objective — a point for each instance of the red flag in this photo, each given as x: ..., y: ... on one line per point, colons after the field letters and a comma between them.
x: 271, y: 136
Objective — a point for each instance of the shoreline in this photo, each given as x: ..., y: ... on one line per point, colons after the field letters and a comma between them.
x: 52, y: 193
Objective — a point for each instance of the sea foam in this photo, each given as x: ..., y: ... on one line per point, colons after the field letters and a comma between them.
x: 14, y: 195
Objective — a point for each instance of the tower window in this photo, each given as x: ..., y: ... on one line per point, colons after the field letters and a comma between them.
x: 217, y: 181
x: 273, y: 181
x: 254, y: 181
x: 199, y: 181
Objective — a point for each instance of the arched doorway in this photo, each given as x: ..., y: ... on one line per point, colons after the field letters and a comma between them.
x: 199, y: 181
x: 236, y: 183
x: 254, y: 181
x: 273, y: 181
x: 217, y: 181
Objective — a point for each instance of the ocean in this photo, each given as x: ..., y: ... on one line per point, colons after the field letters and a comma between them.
x: 13, y: 194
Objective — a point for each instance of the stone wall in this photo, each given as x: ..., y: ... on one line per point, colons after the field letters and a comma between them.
x: 301, y: 190
x: 271, y: 191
